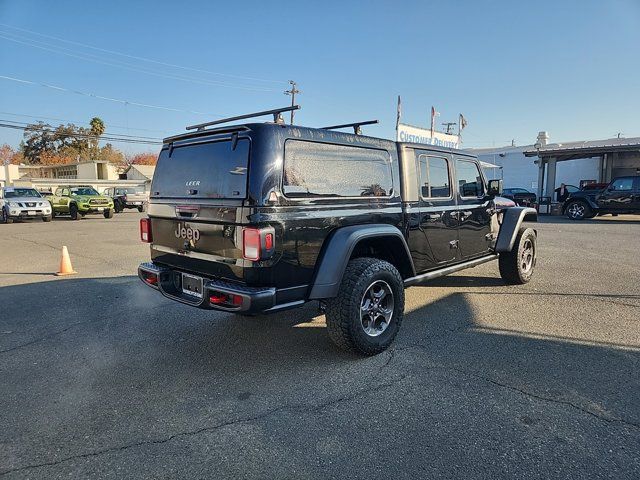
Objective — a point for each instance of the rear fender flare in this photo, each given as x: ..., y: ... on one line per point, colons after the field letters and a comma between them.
x: 338, y: 249
x: 511, y: 221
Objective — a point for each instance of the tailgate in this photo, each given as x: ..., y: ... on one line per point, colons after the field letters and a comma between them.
x: 206, y: 240
x: 136, y: 197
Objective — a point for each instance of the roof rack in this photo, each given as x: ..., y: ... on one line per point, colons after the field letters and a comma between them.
x: 356, y: 126
x: 277, y: 117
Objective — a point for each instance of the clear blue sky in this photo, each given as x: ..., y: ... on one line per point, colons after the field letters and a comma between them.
x: 512, y: 68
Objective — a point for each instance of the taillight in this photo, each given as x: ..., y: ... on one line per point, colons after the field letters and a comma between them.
x: 251, y: 244
x: 258, y: 243
x: 145, y: 230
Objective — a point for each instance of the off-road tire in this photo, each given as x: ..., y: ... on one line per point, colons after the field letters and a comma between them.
x: 117, y: 207
x: 141, y: 208
x: 5, y: 217
x: 515, y: 268
x: 577, y: 210
x: 343, y: 316
x: 73, y: 212
x: 108, y: 213
x: 47, y: 218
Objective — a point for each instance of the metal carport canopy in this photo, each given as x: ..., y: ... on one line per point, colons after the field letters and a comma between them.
x: 549, y: 155
x: 585, y: 149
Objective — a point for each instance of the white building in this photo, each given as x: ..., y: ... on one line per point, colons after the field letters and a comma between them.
x: 544, y: 166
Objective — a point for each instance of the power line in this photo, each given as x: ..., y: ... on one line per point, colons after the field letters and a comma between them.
x: 48, y: 125
x: 42, y: 117
x: 88, y: 57
x: 113, y: 52
x: 110, y: 99
x: 80, y: 135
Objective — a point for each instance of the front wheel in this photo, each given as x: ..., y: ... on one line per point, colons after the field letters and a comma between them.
x: 5, y: 217
x: 47, y: 218
x: 516, y: 266
x: 366, y: 315
x: 141, y: 208
x: 73, y: 212
x: 108, y: 213
x: 578, y: 210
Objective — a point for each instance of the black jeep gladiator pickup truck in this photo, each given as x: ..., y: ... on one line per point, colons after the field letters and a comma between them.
x: 262, y: 217
x: 621, y: 196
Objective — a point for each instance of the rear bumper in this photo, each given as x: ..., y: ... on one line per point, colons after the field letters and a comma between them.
x: 254, y: 300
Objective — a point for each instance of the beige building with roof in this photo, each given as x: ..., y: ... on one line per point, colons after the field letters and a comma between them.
x: 98, y: 174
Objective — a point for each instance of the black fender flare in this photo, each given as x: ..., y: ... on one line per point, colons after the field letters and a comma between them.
x: 337, y: 252
x: 511, y: 221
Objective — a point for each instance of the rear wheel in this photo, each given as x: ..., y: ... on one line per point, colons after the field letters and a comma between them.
x: 108, y: 213
x: 73, y: 212
x: 578, y: 210
x: 516, y: 266
x: 367, y: 313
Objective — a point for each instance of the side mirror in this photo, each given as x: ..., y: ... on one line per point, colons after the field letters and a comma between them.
x: 495, y: 188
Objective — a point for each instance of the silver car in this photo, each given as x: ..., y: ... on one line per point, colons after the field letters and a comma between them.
x: 18, y: 203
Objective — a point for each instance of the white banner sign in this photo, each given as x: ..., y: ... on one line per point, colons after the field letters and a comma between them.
x: 411, y: 134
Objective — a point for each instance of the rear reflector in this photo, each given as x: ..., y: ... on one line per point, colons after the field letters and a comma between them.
x: 145, y: 230
x: 225, y: 299
x: 150, y: 278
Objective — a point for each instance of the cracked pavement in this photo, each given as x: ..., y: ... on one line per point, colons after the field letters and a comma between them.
x: 101, y: 377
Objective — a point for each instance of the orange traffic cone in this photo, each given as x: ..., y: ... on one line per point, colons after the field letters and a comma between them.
x: 65, y: 263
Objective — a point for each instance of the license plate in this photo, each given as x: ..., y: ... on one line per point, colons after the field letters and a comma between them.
x: 137, y: 203
x: 192, y: 285
x: 100, y: 209
x: 31, y: 212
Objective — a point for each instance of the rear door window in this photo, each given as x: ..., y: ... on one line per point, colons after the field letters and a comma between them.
x: 313, y: 169
x: 434, y: 177
x: 203, y: 170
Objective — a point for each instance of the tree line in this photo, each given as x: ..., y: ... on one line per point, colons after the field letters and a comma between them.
x: 43, y: 144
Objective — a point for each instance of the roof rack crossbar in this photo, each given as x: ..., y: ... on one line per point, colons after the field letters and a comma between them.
x: 356, y: 126
x: 277, y: 117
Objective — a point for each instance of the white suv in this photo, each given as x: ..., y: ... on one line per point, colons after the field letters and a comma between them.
x: 22, y: 202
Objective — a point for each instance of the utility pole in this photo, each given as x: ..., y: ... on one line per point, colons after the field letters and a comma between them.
x: 293, y: 93
x: 449, y: 126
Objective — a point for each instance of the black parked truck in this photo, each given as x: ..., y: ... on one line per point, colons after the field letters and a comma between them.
x: 262, y: 217
x: 621, y: 196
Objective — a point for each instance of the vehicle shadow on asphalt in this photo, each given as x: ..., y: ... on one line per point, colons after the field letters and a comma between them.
x: 98, y: 346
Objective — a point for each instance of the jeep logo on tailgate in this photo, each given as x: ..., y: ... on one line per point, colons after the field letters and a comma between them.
x: 188, y: 233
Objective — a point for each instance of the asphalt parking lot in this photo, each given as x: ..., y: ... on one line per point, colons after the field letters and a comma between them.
x: 100, y: 377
